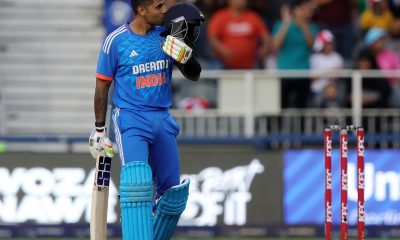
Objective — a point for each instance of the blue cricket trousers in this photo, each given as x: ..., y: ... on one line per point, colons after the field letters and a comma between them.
x: 150, y: 137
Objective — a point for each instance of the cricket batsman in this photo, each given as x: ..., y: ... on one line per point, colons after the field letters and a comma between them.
x: 138, y: 57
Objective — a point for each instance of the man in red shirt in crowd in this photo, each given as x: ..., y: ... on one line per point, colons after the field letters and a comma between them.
x: 238, y: 36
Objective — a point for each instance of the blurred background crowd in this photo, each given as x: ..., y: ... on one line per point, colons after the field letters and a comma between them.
x: 307, y: 34
x: 318, y: 35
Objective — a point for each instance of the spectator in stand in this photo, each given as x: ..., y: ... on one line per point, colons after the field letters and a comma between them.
x: 195, y: 104
x: 337, y: 16
x: 377, y: 15
x: 326, y: 91
x: 263, y: 8
x: 238, y: 36
x: 361, y: 6
x: 394, y: 6
x: 209, y: 7
x: 387, y: 59
x: 116, y: 13
x: 293, y: 41
x: 203, y: 48
x: 376, y: 91
x: 376, y: 40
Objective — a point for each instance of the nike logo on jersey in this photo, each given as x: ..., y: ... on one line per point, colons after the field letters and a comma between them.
x: 133, y: 53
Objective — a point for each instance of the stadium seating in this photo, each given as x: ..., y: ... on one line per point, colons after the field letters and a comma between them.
x: 48, y: 53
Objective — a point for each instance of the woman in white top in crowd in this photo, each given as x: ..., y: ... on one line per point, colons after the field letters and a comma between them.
x: 325, y: 87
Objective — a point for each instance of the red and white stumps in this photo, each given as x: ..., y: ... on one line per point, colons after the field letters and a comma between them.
x: 344, y: 148
x: 328, y: 182
x: 360, y: 184
x: 344, y: 225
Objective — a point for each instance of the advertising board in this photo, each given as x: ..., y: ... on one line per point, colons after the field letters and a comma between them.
x: 303, y: 179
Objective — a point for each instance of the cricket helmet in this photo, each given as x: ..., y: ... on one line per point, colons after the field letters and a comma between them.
x: 183, y: 20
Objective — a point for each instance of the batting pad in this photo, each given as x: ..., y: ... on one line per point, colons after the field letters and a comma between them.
x: 136, y: 193
x: 169, y: 209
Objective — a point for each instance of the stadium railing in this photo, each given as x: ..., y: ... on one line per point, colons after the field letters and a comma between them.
x: 247, y: 108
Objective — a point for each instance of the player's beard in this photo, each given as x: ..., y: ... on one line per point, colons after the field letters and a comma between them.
x: 155, y: 20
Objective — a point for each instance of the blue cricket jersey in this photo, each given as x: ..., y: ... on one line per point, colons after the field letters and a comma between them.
x: 140, y: 69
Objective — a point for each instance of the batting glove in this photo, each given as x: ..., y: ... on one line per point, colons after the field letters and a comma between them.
x: 177, y: 49
x: 98, y: 142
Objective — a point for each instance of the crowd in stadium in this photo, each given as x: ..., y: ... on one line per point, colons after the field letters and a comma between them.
x: 318, y: 35
x: 307, y: 34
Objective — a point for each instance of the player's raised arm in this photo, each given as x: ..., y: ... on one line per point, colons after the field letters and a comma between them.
x: 191, y: 69
x: 182, y: 28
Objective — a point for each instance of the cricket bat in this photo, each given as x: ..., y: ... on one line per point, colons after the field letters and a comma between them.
x: 98, y: 215
x: 102, y: 179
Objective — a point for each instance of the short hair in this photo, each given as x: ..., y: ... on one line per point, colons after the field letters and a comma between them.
x: 136, y: 3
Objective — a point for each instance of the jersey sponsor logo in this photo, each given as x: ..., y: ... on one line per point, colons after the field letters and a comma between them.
x: 133, y: 54
x: 151, y: 80
x: 150, y: 66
